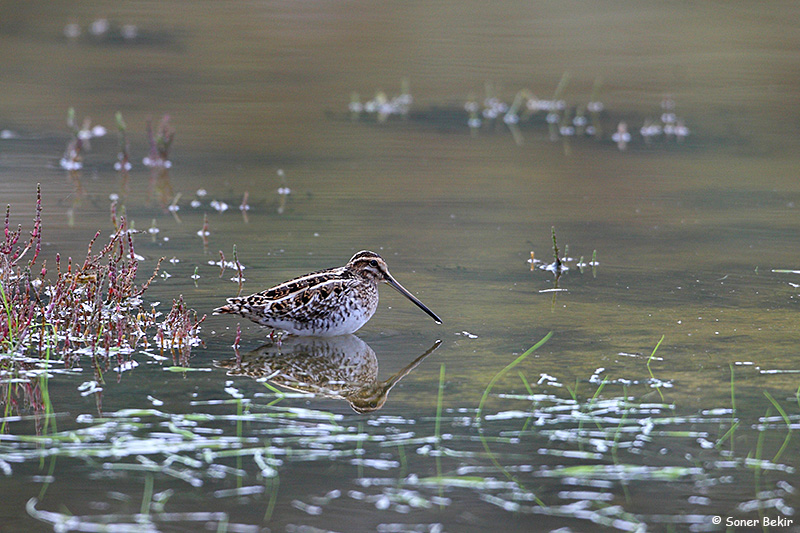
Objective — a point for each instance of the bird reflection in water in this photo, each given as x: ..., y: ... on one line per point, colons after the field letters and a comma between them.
x: 342, y: 367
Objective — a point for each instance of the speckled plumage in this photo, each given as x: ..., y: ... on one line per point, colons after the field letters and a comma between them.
x: 337, y: 301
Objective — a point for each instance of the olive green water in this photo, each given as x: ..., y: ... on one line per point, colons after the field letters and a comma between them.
x: 687, y: 236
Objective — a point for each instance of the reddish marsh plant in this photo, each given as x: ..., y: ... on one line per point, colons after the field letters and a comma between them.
x: 92, y: 308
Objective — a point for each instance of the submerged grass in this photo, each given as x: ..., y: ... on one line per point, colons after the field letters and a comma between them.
x: 437, y: 432
x: 505, y: 370
x: 649, y: 360
x: 578, y: 461
x: 486, y: 393
x: 786, y: 421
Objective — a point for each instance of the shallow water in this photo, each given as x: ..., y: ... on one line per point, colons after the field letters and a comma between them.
x: 583, y: 433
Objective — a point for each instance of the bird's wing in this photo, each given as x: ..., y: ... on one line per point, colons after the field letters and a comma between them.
x: 304, y: 297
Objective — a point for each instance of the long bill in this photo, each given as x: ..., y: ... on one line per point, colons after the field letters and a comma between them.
x: 402, y: 290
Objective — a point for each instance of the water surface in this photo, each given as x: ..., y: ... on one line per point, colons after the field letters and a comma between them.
x: 687, y: 236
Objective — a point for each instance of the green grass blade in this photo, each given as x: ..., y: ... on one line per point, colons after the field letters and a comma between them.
x: 504, y: 371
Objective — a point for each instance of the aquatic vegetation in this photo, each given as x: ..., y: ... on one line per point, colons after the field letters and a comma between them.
x: 652, y: 377
x: 204, y: 232
x: 160, y: 142
x: 621, y: 136
x: 580, y: 460
x: 244, y: 207
x: 218, y: 206
x: 239, y: 278
x: 123, y: 163
x: 92, y: 308
x: 560, y: 264
x: 381, y: 107
x: 178, y: 332
x: 526, y: 111
x: 16, y: 286
x: 102, y: 30
x: 283, y: 191
x: 79, y: 141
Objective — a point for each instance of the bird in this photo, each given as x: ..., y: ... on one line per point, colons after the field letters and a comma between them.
x: 335, y: 301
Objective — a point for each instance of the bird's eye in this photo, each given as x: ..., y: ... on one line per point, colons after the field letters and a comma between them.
x: 373, y: 263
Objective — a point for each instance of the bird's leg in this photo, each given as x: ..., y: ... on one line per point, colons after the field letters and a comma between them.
x: 276, y: 338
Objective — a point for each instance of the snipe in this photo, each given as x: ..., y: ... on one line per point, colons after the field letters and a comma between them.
x: 330, y: 302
